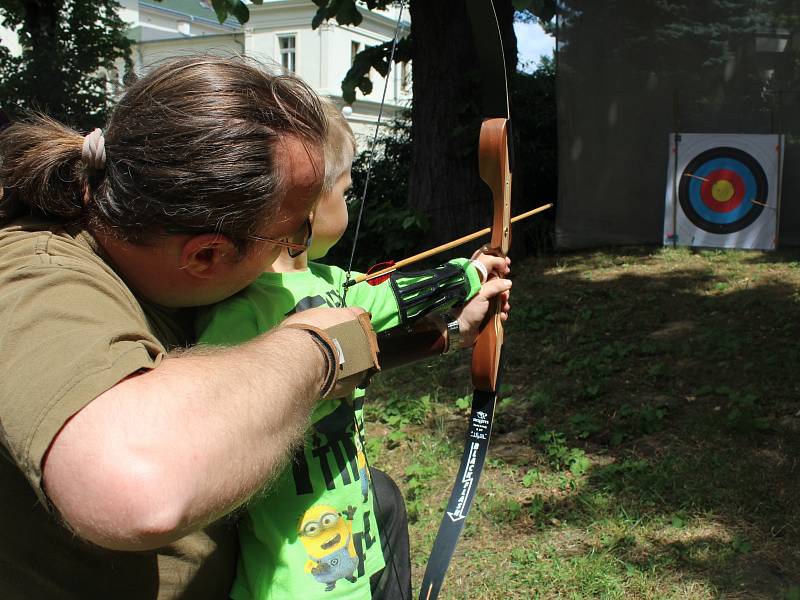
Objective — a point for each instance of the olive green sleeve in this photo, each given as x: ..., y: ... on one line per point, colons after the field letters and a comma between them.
x: 68, y: 335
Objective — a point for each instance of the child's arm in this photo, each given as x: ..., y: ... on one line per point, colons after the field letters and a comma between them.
x: 434, y: 335
x: 436, y: 290
x: 408, y: 296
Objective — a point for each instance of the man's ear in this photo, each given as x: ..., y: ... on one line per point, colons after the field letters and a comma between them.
x: 204, y: 255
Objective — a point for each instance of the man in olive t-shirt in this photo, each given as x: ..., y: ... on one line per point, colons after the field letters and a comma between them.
x: 122, y: 451
x: 71, y: 330
x: 119, y: 462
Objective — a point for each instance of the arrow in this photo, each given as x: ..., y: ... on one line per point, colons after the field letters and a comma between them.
x: 762, y: 204
x: 696, y: 177
x: 433, y: 251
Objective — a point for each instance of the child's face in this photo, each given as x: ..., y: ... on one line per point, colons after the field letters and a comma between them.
x: 330, y: 218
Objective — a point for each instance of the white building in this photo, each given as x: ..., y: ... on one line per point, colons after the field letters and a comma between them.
x: 9, y: 40
x: 279, y: 31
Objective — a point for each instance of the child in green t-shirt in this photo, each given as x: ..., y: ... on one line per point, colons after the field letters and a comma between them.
x: 313, y: 532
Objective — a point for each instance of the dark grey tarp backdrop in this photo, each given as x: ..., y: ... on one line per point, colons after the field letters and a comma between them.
x: 629, y: 72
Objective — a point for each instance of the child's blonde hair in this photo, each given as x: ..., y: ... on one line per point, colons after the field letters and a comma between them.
x: 340, y: 146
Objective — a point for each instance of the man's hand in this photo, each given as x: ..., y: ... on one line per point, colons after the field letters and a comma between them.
x: 324, y: 317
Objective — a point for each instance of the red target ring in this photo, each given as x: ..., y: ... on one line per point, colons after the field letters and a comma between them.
x: 723, y: 190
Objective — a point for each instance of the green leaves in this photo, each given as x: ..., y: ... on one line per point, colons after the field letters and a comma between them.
x: 632, y: 422
x: 344, y: 11
x: 560, y: 456
x: 235, y: 8
x: 543, y: 9
x: 68, y: 65
x: 464, y: 402
x: 372, y: 57
x: 746, y: 414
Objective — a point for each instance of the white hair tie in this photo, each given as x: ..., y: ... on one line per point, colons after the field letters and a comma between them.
x: 93, y: 153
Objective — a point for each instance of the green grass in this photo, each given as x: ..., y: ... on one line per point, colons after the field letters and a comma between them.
x: 647, y: 442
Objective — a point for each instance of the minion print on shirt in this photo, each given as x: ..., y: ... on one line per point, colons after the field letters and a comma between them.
x: 327, y: 537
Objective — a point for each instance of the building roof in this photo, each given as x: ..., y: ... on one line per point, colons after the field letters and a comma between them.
x: 196, y: 10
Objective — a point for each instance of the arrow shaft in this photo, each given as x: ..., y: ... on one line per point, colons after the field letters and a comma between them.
x: 444, y: 247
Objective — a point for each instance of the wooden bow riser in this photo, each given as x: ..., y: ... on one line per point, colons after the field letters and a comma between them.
x: 495, y: 171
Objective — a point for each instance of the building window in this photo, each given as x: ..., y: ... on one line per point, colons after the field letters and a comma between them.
x: 286, y: 48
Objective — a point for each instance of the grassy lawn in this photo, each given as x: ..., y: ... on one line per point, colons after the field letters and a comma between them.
x: 647, y: 443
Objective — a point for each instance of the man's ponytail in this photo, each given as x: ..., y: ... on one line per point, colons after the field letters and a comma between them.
x: 41, y: 170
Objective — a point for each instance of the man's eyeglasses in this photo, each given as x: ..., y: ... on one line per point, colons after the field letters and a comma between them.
x: 296, y: 244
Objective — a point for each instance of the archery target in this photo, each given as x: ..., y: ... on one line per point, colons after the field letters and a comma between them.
x: 722, y: 191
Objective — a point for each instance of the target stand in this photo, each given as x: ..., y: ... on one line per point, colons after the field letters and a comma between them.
x: 723, y: 191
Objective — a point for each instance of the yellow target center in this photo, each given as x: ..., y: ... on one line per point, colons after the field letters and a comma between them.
x: 722, y: 190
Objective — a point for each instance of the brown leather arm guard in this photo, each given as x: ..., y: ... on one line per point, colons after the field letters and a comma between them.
x: 348, y: 348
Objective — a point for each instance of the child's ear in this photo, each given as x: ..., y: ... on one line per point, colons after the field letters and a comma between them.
x: 204, y: 255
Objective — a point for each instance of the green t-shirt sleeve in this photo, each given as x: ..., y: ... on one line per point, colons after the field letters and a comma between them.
x: 378, y: 300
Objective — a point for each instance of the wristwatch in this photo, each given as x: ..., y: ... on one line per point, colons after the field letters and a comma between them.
x: 453, y: 333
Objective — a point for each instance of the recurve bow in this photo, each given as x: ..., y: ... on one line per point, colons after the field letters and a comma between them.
x: 495, y: 165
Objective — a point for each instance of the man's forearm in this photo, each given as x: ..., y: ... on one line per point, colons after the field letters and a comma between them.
x: 167, y: 451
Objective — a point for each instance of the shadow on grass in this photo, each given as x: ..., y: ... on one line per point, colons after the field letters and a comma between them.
x: 684, y: 377
x: 670, y: 379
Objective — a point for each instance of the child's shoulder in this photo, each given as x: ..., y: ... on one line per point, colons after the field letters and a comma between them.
x: 330, y: 273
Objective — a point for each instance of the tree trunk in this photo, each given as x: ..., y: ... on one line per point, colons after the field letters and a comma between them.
x: 42, y: 21
x: 444, y: 182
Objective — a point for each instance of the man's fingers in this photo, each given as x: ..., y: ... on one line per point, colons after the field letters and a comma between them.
x: 497, y: 265
x: 506, y: 307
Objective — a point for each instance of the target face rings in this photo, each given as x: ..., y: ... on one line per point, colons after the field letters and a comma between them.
x: 722, y: 190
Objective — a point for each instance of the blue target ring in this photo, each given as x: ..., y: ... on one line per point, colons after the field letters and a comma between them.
x: 718, y: 187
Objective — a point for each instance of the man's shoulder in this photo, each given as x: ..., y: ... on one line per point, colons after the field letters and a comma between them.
x: 48, y: 261
x: 34, y: 242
